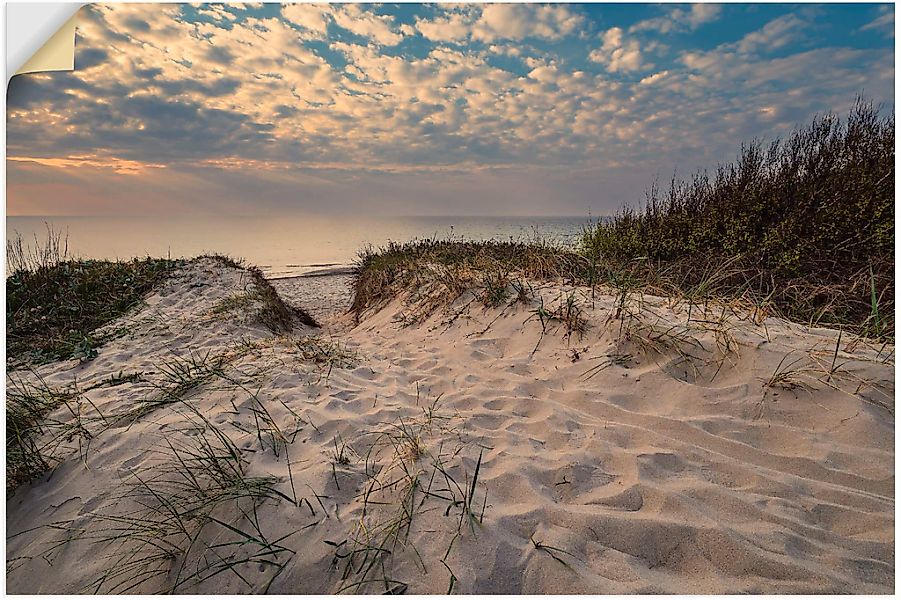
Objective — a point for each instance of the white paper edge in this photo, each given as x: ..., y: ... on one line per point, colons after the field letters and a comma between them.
x: 28, y: 27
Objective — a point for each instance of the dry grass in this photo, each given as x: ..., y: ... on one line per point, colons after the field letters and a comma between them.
x: 43, y: 254
x: 413, y: 466
x: 37, y: 438
x: 831, y: 368
x: 444, y: 270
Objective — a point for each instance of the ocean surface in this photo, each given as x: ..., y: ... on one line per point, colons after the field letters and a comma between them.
x: 282, y: 246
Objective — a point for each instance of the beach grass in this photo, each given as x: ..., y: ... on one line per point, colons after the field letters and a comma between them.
x: 36, y: 437
x: 273, y: 312
x: 53, y: 309
x: 158, y: 528
x: 457, y: 265
x: 276, y: 314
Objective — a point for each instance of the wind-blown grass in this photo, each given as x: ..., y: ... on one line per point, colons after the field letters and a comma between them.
x: 162, y: 527
x: 33, y: 439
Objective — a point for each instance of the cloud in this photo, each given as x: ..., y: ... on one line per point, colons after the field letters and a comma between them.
x: 655, y: 78
x: 449, y: 27
x: 679, y: 19
x: 884, y: 22
x: 703, y: 13
x: 378, y: 28
x: 520, y: 21
x: 217, y: 12
x: 616, y: 53
x: 315, y: 18
x: 776, y: 34
x: 311, y: 17
x: 505, y: 50
x: 118, y: 166
x: 492, y: 22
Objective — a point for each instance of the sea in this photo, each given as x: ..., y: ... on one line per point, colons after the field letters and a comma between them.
x: 282, y: 246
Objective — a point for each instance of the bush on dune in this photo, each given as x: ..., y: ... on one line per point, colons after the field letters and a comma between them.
x: 808, y: 221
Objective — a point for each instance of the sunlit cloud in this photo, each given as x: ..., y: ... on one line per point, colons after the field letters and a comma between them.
x: 680, y: 19
x: 493, y: 22
x: 776, y: 34
x: 617, y: 53
x: 116, y: 165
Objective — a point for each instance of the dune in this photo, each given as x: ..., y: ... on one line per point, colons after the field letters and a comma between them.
x: 568, y: 440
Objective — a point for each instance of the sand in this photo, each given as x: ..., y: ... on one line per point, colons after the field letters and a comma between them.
x: 325, y: 295
x: 654, y: 462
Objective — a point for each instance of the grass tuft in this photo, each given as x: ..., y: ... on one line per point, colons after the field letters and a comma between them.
x: 36, y: 440
x: 190, y: 517
x: 413, y: 467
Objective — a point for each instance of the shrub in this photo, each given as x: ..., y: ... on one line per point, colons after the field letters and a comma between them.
x: 810, y: 220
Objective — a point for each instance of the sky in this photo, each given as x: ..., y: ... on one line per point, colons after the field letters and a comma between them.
x: 412, y: 109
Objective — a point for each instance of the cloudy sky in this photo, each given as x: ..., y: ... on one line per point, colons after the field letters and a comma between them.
x: 415, y: 109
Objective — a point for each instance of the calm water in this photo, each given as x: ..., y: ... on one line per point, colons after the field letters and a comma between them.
x: 281, y: 246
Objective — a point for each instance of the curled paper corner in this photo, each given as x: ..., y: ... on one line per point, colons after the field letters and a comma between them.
x: 40, y: 37
x: 57, y: 53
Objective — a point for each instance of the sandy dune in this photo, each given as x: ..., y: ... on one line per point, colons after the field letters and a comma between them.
x: 468, y: 450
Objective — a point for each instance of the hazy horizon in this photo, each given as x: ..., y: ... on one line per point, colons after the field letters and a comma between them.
x: 281, y: 245
x: 429, y: 110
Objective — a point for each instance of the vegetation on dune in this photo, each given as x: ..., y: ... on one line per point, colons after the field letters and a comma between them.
x: 54, y: 303
x: 274, y: 312
x: 27, y: 407
x: 803, y: 228
x: 55, y: 307
x: 808, y: 222
x: 457, y: 264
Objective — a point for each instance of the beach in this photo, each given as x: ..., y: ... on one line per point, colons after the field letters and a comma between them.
x: 628, y: 445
